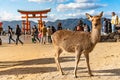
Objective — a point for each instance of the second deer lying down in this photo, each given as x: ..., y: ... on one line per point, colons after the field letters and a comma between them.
x: 78, y: 42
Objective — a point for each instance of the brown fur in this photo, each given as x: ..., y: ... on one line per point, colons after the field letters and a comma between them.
x: 78, y: 42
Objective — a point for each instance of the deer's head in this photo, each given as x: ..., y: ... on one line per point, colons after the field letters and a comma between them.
x: 96, y: 20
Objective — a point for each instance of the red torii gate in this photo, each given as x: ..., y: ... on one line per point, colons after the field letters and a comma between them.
x: 33, y: 14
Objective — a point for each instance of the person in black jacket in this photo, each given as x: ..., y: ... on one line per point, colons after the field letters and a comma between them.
x: 36, y: 32
x: 53, y: 29
x: 10, y: 33
x: 59, y: 26
x: 18, y: 34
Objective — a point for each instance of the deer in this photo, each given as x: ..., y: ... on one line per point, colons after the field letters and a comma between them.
x: 78, y: 42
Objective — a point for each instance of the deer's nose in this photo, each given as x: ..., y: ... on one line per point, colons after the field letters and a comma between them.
x: 96, y: 24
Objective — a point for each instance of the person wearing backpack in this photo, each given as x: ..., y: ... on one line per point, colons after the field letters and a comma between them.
x: 10, y: 33
x: 18, y: 34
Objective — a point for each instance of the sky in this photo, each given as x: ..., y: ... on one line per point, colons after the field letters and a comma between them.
x: 60, y: 9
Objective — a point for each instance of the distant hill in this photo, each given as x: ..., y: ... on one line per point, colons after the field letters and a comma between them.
x: 66, y: 23
x: 14, y: 23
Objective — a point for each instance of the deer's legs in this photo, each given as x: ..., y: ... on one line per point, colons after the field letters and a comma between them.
x: 57, y: 54
x: 77, y: 59
x: 88, y: 65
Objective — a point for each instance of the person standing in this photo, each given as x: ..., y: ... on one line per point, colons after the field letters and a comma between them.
x: 59, y: 26
x: 49, y: 33
x: 18, y: 34
x: 53, y: 29
x: 80, y: 26
x: 109, y: 26
x: 10, y: 33
x: 114, y: 21
x: 44, y: 31
x: 105, y: 26
x: 85, y: 27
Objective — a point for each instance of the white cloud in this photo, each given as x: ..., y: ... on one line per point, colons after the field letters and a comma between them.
x: 82, y: 6
x: 60, y: 1
x: 13, y: 0
x: 80, y: 14
x: 6, y: 16
x: 108, y: 14
x: 51, y: 17
x: 40, y: 0
x: 84, y: 1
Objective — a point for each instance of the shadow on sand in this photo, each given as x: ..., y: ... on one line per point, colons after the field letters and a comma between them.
x: 5, y: 64
x: 27, y: 70
x: 103, y: 73
x: 32, y: 70
x: 108, y: 72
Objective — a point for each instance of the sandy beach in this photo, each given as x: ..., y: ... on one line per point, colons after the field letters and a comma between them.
x: 36, y: 62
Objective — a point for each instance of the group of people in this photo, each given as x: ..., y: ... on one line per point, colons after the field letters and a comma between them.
x: 18, y: 34
x: 44, y: 35
x: 41, y: 36
x: 82, y: 27
x: 109, y: 26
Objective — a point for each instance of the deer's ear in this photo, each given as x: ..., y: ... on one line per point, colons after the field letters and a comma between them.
x: 89, y: 16
x: 101, y: 14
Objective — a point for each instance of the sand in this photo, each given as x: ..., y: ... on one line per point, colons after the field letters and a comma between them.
x: 36, y: 62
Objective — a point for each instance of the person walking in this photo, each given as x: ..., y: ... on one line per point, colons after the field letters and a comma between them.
x: 18, y: 34
x: 32, y: 35
x: 36, y: 32
x: 0, y: 41
x: 10, y: 33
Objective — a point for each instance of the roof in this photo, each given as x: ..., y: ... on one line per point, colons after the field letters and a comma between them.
x: 34, y: 11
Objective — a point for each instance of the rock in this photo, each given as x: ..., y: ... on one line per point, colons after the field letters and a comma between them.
x: 112, y: 37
